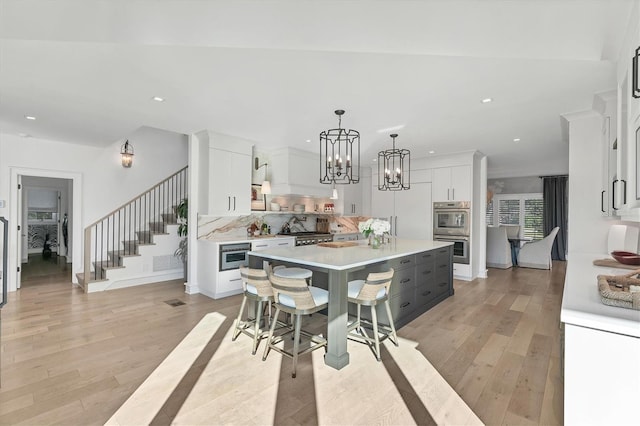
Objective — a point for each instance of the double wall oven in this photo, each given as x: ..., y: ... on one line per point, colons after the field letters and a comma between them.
x: 451, y: 222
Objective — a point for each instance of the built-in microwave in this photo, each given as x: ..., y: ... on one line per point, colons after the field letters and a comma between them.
x: 233, y: 256
x: 451, y: 218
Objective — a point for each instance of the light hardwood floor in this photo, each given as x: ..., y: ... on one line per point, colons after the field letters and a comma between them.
x: 72, y: 358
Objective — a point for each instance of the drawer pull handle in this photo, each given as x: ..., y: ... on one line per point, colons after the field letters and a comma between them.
x: 426, y: 293
x: 283, y: 244
x: 402, y: 262
x: 426, y: 272
x: 442, y: 284
x: 236, y: 279
x: 442, y: 266
x: 404, y: 305
x: 406, y: 280
x: 261, y: 245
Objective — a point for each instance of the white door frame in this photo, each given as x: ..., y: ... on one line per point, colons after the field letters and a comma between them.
x: 14, y: 220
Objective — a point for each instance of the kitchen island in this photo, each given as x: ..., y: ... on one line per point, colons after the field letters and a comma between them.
x: 601, y: 349
x: 423, y: 278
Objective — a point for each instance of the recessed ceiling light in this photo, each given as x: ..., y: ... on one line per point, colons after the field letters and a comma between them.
x: 158, y: 99
x: 29, y: 117
x: 391, y: 129
x: 23, y: 135
x: 308, y: 140
x: 516, y: 140
x: 486, y: 100
x: 432, y: 152
x: 374, y: 160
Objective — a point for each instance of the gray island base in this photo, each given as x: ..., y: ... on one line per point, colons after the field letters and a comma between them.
x: 423, y: 278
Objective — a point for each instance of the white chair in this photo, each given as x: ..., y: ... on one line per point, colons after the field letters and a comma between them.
x: 538, y: 253
x: 513, y: 231
x: 498, y: 248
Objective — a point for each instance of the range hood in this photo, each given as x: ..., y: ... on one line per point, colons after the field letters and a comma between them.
x: 296, y: 172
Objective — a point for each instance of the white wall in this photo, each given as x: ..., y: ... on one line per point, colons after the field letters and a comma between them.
x: 105, y: 183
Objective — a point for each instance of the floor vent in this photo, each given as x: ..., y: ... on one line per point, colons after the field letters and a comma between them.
x: 174, y: 302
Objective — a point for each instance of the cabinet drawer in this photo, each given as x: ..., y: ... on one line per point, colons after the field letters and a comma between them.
x: 442, y: 270
x: 403, y: 262
x: 424, y: 274
x: 425, y: 294
x: 425, y: 257
x: 402, y: 279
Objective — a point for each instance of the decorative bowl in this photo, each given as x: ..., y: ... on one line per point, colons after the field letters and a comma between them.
x: 626, y: 257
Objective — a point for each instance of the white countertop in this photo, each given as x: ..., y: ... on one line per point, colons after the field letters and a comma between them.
x: 349, y: 257
x: 581, y: 303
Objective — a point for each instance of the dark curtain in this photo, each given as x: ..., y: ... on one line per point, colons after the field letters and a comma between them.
x: 556, y: 201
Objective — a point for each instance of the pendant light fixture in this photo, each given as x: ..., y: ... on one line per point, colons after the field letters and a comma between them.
x: 266, y: 185
x: 126, y: 154
x: 393, y: 168
x: 339, y: 155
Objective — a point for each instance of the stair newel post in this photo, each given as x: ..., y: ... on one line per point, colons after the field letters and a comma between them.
x: 87, y: 254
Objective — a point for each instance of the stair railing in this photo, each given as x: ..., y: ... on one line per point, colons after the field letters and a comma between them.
x: 120, y: 232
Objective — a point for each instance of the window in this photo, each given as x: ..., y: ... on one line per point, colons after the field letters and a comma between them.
x: 525, y: 210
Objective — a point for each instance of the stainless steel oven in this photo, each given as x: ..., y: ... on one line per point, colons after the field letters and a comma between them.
x: 460, y: 247
x: 451, y: 218
x: 232, y: 256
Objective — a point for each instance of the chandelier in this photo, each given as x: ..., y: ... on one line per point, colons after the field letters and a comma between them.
x: 339, y: 155
x: 393, y: 168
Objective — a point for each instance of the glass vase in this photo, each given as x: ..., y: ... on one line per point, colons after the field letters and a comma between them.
x: 376, y: 240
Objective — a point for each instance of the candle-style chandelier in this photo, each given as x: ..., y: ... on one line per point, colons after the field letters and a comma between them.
x: 393, y: 168
x: 339, y: 155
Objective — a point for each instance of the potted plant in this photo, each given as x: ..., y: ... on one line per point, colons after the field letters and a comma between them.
x: 182, y: 211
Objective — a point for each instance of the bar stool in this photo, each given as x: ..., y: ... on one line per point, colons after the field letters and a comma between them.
x: 295, y: 297
x: 371, y: 292
x: 257, y: 288
x: 293, y: 272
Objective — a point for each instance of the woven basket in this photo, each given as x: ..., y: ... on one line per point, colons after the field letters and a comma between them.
x: 614, y: 290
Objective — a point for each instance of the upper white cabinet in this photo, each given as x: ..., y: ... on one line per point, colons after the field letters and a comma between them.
x: 225, y: 174
x: 452, y: 183
x: 606, y: 105
x: 230, y: 183
x: 352, y: 199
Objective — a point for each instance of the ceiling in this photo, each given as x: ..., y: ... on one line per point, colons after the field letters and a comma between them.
x: 274, y: 72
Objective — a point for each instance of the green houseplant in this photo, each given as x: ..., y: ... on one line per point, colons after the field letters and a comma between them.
x: 182, y: 211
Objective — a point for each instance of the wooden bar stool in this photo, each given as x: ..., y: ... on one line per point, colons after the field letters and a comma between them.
x: 295, y: 297
x: 371, y: 292
x: 257, y: 288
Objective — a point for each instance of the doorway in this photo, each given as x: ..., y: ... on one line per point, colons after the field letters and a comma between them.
x: 46, y: 203
x: 67, y: 257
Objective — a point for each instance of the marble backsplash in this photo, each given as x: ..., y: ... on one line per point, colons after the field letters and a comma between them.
x: 220, y: 227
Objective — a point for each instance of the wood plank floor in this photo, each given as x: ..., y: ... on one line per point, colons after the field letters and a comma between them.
x: 73, y: 358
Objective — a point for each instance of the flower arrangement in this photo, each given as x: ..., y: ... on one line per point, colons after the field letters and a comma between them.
x: 377, y: 227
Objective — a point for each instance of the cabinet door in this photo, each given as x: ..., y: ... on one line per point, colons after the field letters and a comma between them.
x: 441, y: 184
x: 460, y: 183
x: 414, y: 213
x: 352, y: 202
x: 382, y: 203
x: 229, y: 183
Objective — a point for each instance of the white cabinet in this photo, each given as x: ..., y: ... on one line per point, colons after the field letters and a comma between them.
x: 452, y: 183
x: 609, y: 156
x: 264, y: 244
x: 229, y: 183
x: 409, y: 211
x: 352, y: 199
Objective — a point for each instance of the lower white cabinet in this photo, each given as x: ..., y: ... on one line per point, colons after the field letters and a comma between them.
x: 218, y: 284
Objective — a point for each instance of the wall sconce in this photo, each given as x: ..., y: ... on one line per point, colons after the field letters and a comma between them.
x: 126, y: 152
x: 266, y: 185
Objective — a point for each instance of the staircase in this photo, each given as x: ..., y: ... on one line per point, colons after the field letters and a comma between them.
x: 135, y: 244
